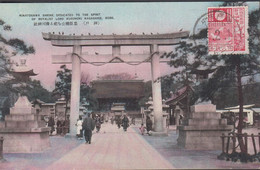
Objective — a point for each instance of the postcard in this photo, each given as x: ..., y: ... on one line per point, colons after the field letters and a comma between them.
x: 129, y: 85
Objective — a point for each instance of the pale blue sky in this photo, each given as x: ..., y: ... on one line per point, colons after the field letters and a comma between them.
x: 161, y: 17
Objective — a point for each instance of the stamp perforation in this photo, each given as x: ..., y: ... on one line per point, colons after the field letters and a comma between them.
x: 221, y: 16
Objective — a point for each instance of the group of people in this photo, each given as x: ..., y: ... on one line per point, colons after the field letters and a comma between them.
x: 87, y: 126
x: 148, y: 128
x: 59, y: 126
x: 92, y: 121
x: 121, y: 121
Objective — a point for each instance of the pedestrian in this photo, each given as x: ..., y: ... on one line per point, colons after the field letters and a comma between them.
x: 133, y: 120
x: 167, y: 122
x: 125, y: 122
x: 149, y: 125
x: 142, y: 129
x: 118, y: 122
x: 112, y: 120
x: 98, y: 124
x: 51, y: 124
x: 180, y: 120
x: 59, y: 126
x: 79, y: 128
x: 88, y: 126
x: 66, y: 126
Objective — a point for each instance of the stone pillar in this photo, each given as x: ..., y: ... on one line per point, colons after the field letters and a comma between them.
x: 75, y: 90
x: 156, y: 89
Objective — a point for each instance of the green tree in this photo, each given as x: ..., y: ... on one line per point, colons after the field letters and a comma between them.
x: 230, y: 68
x: 36, y: 91
x: 9, y: 48
x: 63, y: 85
x: 63, y: 88
x: 184, y: 59
x: 147, y: 93
x: 86, y: 92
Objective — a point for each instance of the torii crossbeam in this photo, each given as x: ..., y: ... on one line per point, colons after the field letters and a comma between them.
x: 116, y: 41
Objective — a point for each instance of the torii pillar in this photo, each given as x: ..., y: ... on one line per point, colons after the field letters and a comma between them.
x: 75, y: 88
x: 156, y: 89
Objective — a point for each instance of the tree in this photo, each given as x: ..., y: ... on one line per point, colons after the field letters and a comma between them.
x: 63, y: 85
x: 230, y: 68
x: 185, y: 59
x: 9, y: 48
x: 86, y: 92
x: 36, y: 91
x: 63, y: 88
x: 147, y: 93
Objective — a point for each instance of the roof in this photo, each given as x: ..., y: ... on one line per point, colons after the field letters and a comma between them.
x: 118, y: 88
x: 180, y: 94
x: 118, y: 104
x: 244, y: 106
x: 237, y: 110
x: 48, y: 104
x: 117, y: 108
x: 24, y: 72
x: 180, y: 34
x: 256, y: 110
x: 37, y: 101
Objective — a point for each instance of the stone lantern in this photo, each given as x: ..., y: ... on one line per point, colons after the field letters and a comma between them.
x: 23, y: 130
x: 21, y: 71
x: 165, y: 108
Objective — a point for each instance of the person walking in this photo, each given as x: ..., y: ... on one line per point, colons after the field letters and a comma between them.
x: 142, y: 129
x: 79, y: 128
x: 88, y: 126
x: 149, y: 125
x: 59, y: 126
x: 51, y: 124
x: 66, y: 126
x: 118, y: 122
x: 98, y: 124
x: 112, y: 120
x: 125, y: 122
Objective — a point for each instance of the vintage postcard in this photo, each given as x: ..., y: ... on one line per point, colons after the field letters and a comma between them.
x: 129, y: 85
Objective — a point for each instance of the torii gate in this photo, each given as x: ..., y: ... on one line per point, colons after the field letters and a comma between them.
x: 116, y: 41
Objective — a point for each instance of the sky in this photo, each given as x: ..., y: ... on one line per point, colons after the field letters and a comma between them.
x: 147, y: 17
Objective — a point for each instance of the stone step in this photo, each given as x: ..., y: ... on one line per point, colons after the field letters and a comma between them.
x: 22, y: 110
x: 205, y: 115
x: 203, y: 108
x: 205, y: 128
x: 24, y: 124
x: 21, y: 117
x: 206, y: 122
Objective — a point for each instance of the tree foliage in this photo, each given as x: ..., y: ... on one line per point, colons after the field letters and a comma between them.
x: 10, y: 48
x: 63, y: 82
x: 231, y: 70
x: 36, y: 91
x: 63, y: 87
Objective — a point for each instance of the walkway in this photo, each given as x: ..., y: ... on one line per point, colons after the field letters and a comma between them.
x: 113, y: 149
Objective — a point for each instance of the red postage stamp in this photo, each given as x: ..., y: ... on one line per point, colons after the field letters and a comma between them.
x: 227, y: 30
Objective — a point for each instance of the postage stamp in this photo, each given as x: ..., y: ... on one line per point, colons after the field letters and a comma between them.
x: 227, y: 30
